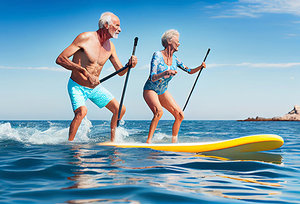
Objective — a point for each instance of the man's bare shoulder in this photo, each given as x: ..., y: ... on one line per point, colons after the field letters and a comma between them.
x: 84, y: 37
x: 112, y: 46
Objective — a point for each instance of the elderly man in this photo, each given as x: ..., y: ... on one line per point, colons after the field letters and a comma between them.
x: 90, y: 51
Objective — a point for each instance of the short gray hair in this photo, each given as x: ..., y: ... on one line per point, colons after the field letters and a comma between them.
x: 168, y: 35
x: 105, y: 18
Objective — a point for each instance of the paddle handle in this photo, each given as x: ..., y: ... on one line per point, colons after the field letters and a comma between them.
x: 113, y: 74
x: 206, y: 54
x: 195, y: 81
x: 134, y: 45
x: 122, y: 69
x: 126, y: 81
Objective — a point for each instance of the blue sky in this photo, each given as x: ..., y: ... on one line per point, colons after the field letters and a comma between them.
x: 252, y: 70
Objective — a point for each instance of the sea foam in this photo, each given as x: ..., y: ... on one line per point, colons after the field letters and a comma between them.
x: 53, y: 135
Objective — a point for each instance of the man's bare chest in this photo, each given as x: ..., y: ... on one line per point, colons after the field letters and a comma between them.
x: 98, y: 55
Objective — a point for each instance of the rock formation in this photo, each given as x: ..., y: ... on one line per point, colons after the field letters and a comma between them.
x: 293, y: 115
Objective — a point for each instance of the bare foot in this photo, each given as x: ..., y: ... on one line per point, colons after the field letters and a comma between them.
x: 174, y: 139
x: 107, y: 143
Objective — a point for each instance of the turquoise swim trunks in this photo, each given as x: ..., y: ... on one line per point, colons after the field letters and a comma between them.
x: 79, y: 94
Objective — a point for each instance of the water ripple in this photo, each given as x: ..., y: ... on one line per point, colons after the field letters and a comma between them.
x: 34, y: 170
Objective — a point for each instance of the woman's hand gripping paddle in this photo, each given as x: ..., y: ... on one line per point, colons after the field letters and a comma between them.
x: 195, y: 81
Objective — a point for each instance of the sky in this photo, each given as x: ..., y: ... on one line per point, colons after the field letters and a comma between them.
x: 252, y: 69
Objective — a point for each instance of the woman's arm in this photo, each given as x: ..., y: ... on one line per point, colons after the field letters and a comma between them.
x: 193, y: 71
x: 190, y: 71
x: 165, y: 74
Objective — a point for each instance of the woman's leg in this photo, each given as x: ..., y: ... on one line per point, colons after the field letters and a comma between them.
x: 152, y: 101
x: 168, y: 102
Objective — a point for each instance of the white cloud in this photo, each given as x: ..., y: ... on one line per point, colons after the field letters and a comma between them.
x: 144, y: 67
x: 257, y: 65
x: 56, y: 69
x: 147, y: 66
x: 111, y: 69
x: 255, y: 8
x: 108, y: 70
x: 291, y: 35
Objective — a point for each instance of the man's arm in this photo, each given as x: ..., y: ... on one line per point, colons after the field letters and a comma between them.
x: 63, y: 58
x: 114, y: 59
x: 116, y: 62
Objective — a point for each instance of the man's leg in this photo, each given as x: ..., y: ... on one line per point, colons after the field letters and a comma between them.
x: 80, y: 113
x: 113, y: 106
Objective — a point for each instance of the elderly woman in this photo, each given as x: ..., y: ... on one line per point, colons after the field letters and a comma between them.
x: 163, y: 67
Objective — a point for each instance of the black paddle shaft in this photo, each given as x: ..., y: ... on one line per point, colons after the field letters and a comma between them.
x: 113, y: 74
x: 126, y: 80
x: 195, y: 81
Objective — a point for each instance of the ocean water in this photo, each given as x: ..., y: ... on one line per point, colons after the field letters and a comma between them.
x: 38, y: 165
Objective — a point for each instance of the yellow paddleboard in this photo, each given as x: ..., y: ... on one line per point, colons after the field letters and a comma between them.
x: 253, y: 143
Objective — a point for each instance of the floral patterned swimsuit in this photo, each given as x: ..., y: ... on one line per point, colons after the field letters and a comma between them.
x: 158, y: 66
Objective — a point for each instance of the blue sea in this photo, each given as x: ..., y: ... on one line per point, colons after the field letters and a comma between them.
x: 38, y: 165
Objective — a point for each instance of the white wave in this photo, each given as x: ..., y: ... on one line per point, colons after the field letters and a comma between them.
x: 161, y: 138
x: 53, y: 135
x: 122, y: 135
x: 6, y: 132
x: 134, y: 131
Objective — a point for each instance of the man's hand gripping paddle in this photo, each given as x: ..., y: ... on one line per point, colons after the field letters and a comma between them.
x: 126, y: 80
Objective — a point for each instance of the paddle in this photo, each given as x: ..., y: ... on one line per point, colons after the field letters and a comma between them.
x: 126, y: 80
x: 113, y: 74
x: 195, y: 81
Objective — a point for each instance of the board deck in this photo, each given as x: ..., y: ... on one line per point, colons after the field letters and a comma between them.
x: 253, y: 143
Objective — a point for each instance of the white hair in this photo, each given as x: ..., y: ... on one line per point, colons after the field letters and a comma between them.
x: 168, y: 35
x: 105, y: 18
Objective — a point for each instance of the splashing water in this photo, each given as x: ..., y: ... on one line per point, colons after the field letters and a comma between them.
x: 33, y: 135
x: 161, y: 138
x: 52, y: 135
x: 122, y: 135
x: 6, y: 132
x: 89, y: 173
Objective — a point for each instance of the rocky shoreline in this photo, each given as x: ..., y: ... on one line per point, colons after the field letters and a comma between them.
x: 293, y: 115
